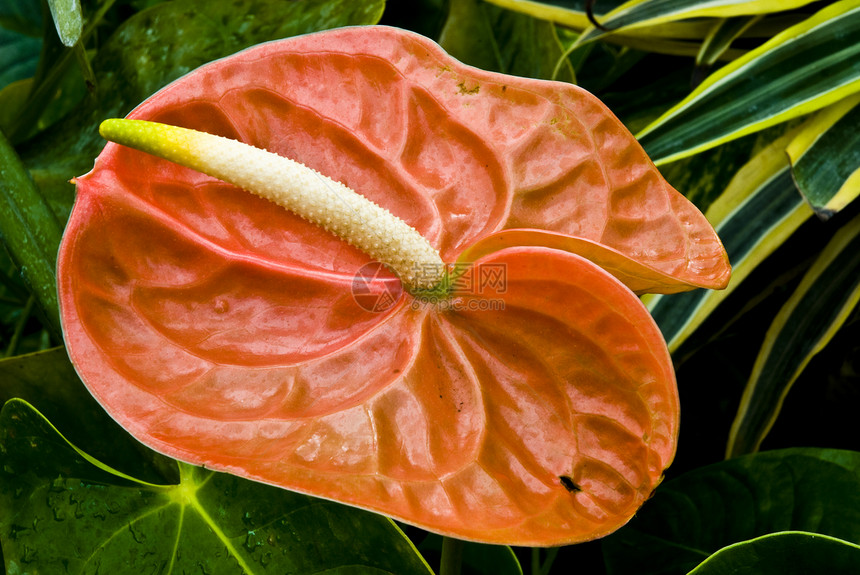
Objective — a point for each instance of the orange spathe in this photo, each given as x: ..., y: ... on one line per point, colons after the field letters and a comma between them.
x: 534, y: 405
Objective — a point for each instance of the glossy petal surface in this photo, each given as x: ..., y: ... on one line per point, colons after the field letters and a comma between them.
x: 536, y: 406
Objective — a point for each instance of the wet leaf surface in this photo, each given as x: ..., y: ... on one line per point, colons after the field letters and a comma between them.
x: 65, y: 512
x: 47, y: 381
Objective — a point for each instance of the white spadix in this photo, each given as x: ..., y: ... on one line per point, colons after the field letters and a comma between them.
x: 299, y: 189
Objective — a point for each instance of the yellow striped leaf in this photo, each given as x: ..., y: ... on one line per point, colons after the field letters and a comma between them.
x: 640, y: 13
x: 805, y: 68
x: 822, y: 302
x: 721, y: 36
x: 825, y: 157
x: 756, y: 213
x: 570, y: 13
x: 673, y: 37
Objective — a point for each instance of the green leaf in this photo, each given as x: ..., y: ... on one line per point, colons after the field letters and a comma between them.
x: 816, y: 310
x: 68, y: 19
x: 825, y: 157
x: 788, y: 553
x: 67, y: 513
x: 720, y: 38
x: 157, y: 46
x: 700, y: 512
x: 19, y: 55
x: 803, y: 69
x: 53, y: 60
x: 640, y: 13
x: 48, y: 381
x: 30, y: 231
x: 12, y: 99
x: 494, y: 39
x: 756, y: 213
x: 22, y: 16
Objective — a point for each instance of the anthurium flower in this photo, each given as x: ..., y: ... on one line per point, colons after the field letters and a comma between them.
x: 518, y: 394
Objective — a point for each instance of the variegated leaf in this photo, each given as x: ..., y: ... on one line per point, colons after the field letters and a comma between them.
x: 720, y: 38
x: 825, y: 157
x: 640, y: 13
x: 802, y: 69
x: 572, y: 13
x: 816, y: 310
x: 758, y: 211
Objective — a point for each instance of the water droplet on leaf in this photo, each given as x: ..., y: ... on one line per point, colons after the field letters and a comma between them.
x: 252, y: 542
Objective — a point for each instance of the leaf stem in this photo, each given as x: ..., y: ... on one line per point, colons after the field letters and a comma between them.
x: 85, y: 66
x: 538, y: 568
x: 12, y: 348
x: 452, y: 556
